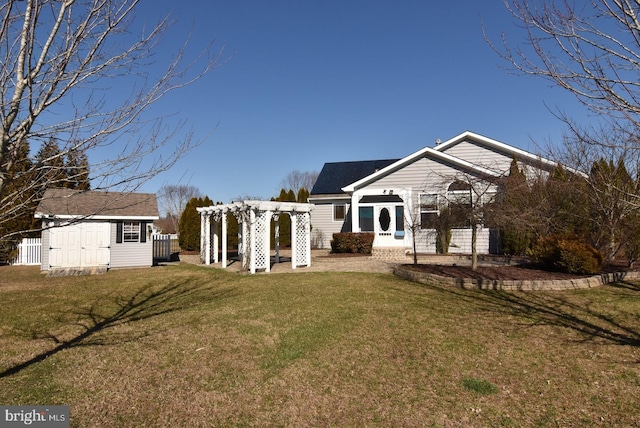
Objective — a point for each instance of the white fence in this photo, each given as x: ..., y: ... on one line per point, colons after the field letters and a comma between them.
x: 30, y: 249
x: 29, y: 252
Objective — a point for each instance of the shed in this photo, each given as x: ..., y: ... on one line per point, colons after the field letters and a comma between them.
x: 87, y: 229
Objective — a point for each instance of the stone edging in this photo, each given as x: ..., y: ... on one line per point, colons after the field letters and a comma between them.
x: 513, y: 285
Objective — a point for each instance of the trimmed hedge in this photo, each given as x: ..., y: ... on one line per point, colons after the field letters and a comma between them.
x: 567, y: 253
x: 347, y: 242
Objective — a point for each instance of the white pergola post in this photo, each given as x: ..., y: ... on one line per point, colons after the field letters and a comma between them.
x: 207, y: 239
x: 252, y: 240
x: 214, y: 225
x: 267, y: 241
x: 307, y: 237
x: 202, y: 237
x: 276, y: 237
x: 223, y: 219
x: 294, y: 252
x: 246, y: 240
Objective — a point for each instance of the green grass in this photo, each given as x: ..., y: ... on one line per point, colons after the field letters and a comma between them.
x: 192, y: 346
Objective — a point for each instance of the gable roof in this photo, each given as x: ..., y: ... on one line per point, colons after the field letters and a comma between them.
x: 439, y: 155
x: 497, y: 146
x: 335, y: 175
x: 69, y: 203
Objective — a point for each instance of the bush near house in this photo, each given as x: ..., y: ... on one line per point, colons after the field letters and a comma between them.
x: 567, y: 253
x: 348, y: 242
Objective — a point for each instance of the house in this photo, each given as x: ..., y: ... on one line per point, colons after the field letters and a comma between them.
x: 398, y: 198
x: 86, y: 229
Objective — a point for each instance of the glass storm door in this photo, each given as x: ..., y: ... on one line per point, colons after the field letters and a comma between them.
x: 385, y: 226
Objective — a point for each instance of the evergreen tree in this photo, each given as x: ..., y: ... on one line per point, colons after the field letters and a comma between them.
x: 18, y: 204
x: 77, y: 171
x: 189, y: 238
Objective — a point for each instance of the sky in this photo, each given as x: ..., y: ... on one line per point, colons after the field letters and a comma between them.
x: 308, y: 82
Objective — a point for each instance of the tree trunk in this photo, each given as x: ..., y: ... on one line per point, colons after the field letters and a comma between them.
x: 474, y: 250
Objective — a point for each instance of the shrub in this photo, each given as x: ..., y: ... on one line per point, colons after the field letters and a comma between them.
x: 347, y: 242
x: 567, y: 253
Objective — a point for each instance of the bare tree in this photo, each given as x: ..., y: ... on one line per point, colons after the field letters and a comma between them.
x: 61, y: 63
x: 173, y: 199
x: 297, y: 180
x: 591, y: 49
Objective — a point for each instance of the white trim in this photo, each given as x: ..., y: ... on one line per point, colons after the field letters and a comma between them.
x: 425, y: 152
x: 95, y: 217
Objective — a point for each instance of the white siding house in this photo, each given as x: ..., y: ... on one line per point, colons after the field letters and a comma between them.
x: 84, y: 229
x: 392, y: 198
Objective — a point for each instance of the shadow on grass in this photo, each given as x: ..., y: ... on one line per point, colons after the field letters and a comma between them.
x: 110, y: 312
x: 558, y: 309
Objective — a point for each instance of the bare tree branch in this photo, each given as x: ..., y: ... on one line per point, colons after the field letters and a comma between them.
x: 64, y: 67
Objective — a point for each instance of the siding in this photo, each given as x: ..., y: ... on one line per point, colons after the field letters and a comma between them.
x: 480, y: 155
x: 130, y: 254
x: 322, y: 224
x: 44, y: 252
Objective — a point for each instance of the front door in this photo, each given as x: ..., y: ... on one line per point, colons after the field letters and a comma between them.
x: 385, y: 226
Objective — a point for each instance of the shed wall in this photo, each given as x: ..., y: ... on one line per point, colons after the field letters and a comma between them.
x: 130, y: 254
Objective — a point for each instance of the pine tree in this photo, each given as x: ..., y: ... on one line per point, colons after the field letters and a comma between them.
x: 189, y: 238
x: 18, y: 205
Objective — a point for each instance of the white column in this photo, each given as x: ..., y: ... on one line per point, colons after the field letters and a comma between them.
x: 307, y: 236
x: 202, y: 217
x: 276, y: 238
x: 355, y: 215
x: 207, y: 239
x: 214, y: 225
x: 224, y: 239
x: 294, y: 252
x: 267, y: 240
x: 252, y: 241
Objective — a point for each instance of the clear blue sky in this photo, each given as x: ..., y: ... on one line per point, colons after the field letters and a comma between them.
x: 309, y: 82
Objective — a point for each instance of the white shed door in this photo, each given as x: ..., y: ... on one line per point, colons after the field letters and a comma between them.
x: 79, y: 245
x: 95, y: 244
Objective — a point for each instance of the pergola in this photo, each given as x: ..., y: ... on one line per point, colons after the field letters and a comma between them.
x: 254, y: 232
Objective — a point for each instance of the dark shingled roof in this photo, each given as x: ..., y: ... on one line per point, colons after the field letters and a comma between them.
x: 336, y: 175
x: 68, y: 202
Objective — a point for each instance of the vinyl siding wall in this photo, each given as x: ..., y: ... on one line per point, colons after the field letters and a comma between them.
x: 428, y: 176
x: 322, y: 224
x: 130, y: 254
x: 480, y: 155
x: 44, y: 252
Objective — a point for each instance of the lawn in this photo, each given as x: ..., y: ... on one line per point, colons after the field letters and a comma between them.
x: 192, y: 346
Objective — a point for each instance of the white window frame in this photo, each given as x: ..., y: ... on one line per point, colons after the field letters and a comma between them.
x: 131, y: 231
x: 434, y: 208
x: 344, y: 207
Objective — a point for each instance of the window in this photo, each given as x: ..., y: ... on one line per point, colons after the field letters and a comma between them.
x: 428, y: 210
x: 399, y: 221
x: 365, y: 215
x: 339, y: 212
x: 131, y: 231
x: 460, y: 204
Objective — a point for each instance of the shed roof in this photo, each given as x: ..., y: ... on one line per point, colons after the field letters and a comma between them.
x: 336, y: 175
x: 69, y: 203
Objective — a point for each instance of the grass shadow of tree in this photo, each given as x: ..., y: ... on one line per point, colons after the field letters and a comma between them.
x: 107, y: 313
x: 583, y: 316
